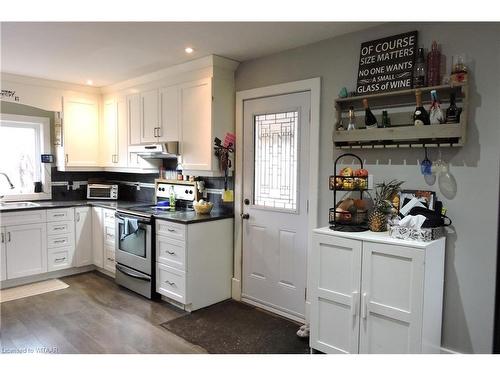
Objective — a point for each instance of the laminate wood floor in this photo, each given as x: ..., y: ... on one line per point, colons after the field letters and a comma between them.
x: 93, y: 316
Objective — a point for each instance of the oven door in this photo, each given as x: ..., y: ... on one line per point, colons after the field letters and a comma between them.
x: 134, y: 250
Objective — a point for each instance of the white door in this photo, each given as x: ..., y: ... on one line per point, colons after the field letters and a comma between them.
x: 83, y: 235
x: 275, y: 193
x: 26, y: 249
x: 391, y: 299
x: 335, y: 293
x: 3, y: 259
x: 149, y: 119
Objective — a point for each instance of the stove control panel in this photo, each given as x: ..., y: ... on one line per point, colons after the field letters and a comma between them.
x: 183, y: 192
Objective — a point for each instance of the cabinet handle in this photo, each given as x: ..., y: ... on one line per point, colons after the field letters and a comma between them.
x: 66, y: 157
x: 59, y: 215
x: 364, y: 307
x: 3, y: 237
x: 111, y: 259
x: 354, y: 302
x: 171, y: 230
x: 59, y: 228
x: 59, y: 259
x: 169, y: 283
x: 59, y: 241
x: 159, y: 132
x: 171, y: 252
x: 77, y: 216
x: 8, y: 236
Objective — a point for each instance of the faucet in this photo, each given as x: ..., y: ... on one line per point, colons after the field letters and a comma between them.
x: 8, y: 180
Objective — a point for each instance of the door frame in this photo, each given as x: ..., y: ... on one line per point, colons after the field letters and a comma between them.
x: 312, y: 85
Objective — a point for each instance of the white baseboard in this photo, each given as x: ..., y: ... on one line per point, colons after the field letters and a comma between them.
x: 448, y: 351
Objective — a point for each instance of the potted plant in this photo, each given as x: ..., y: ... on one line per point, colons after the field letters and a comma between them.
x: 382, y: 205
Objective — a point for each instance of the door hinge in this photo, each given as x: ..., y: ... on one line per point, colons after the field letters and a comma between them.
x: 309, y: 116
x: 305, y: 294
x: 307, y: 206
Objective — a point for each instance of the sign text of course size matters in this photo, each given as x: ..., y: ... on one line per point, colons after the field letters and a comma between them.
x: 387, y: 64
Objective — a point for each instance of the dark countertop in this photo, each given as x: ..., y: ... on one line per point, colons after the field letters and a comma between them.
x: 183, y: 217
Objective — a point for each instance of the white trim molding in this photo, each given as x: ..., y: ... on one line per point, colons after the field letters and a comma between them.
x: 313, y: 86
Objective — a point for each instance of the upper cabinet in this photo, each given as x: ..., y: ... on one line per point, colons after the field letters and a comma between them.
x: 169, y: 114
x: 80, y: 141
x: 149, y: 116
x: 114, y: 133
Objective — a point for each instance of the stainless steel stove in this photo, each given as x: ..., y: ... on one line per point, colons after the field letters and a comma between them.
x: 135, y: 236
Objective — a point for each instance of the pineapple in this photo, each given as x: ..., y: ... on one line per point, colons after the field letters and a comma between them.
x: 382, y: 205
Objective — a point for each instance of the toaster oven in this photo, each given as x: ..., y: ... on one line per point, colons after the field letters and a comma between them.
x: 102, y: 191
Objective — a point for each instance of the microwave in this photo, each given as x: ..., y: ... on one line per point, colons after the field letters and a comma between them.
x: 102, y: 191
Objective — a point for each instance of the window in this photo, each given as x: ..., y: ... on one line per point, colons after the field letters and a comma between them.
x: 22, y: 140
x: 276, y: 148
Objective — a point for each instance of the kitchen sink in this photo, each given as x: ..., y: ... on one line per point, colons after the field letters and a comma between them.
x: 13, y: 205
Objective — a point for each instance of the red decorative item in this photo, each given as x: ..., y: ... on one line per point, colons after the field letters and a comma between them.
x: 434, y: 65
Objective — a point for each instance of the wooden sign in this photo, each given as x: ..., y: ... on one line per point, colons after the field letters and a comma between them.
x: 387, y: 64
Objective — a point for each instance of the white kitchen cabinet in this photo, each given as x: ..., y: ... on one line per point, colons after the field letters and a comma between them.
x: 60, y: 238
x: 149, y: 116
x: 80, y: 141
x: 83, y: 235
x: 206, y: 111
x: 134, y: 118
x: 169, y: 114
x: 26, y: 249
x: 97, y: 237
x: 194, y: 262
x: 370, y: 293
x: 3, y: 259
x: 114, y: 133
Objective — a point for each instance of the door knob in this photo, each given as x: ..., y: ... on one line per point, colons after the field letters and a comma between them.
x: 246, y: 201
x: 245, y: 216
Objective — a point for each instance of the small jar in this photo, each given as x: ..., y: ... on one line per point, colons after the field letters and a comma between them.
x: 179, y: 176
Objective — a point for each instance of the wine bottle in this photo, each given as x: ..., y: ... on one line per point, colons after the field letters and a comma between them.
x: 370, y: 120
x: 419, y: 73
x: 352, y: 119
x: 435, y: 113
x: 453, y: 112
x: 385, y: 120
x: 434, y: 65
x: 420, y: 116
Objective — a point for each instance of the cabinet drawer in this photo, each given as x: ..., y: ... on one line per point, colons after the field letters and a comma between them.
x: 60, y: 259
x: 63, y: 227
x: 61, y: 214
x: 109, y: 258
x: 171, y: 283
x: 61, y: 240
x: 108, y: 217
x: 109, y: 235
x: 172, y: 230
x: 23, y: 217
x: 171, y: 252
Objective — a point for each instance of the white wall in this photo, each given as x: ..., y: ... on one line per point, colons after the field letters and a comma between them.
x: 471, y: 250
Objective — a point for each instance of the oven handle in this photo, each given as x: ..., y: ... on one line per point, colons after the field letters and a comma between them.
x: 133, y: 274
x: 144, y: 221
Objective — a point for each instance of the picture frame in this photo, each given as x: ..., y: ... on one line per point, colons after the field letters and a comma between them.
x: 428, y: 198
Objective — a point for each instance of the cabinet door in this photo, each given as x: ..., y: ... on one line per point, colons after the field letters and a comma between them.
x: 149, y: 120
x: 334, y: 289
x: 3, y: 259
x: 97, y: 237
x: 109, y: 132
x: 81, y: 132
x: 83, y: 236
x: 26, y: 249
x: 196, y: 125
x: 391, y: 300
x: 134, y: 118
x: 169, y: 119
x: 121, y: 159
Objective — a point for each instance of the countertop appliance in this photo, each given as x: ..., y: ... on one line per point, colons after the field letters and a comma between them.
x: 102, y: 191
x: 168, y: 150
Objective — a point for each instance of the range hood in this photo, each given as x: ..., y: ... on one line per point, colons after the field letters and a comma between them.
x: 168, y: 150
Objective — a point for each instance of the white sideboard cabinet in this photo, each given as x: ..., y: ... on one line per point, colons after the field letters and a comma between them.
x: 370, y: 293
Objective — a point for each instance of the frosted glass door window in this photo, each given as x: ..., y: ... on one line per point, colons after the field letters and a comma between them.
x: 276, y: 148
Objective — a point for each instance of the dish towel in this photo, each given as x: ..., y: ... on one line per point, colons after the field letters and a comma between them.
x: 130, y: 226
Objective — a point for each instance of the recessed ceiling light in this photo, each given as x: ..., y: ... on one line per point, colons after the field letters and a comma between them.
x: 90, y: 82
x: 189, y: 50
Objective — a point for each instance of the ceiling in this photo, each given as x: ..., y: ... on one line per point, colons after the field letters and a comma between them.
x: 109, y: 52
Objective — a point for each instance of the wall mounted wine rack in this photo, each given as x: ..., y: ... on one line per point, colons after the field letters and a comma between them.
x: 401, y: 134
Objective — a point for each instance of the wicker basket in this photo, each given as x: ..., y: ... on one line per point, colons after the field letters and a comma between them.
x: 203, y: 208
x: 345, y: 217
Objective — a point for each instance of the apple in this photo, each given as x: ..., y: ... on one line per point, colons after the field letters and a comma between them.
x: 361, y: 173
x: 346, y: 172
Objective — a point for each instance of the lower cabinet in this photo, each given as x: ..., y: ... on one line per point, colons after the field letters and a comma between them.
x: 194, y: 262
x: 60, y: 238
x: 374, y: 294
x: 83, y: 235
x: 103, y: 238
x: 3, y: 259
x: 26, y: 249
